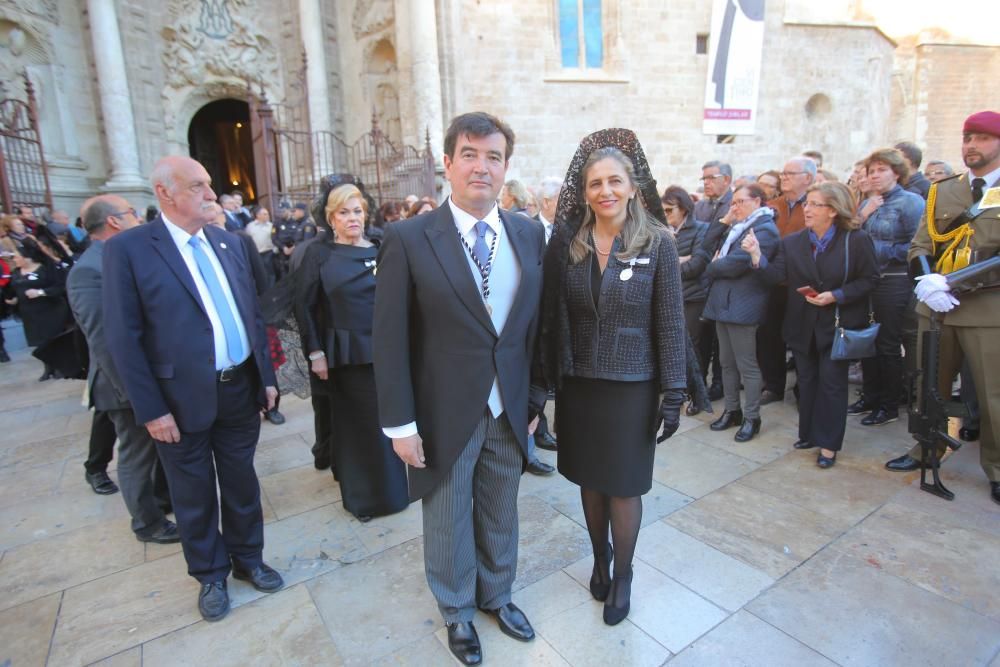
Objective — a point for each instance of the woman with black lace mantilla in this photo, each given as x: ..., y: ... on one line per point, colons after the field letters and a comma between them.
x: 613, y: 342
x: 335, y: 307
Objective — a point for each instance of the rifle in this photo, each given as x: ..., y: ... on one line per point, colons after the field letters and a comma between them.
x: 928, y: 419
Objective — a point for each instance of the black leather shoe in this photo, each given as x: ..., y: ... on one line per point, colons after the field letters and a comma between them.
x: 463, y: 642
x: 101, y: 483
x: 263, y: 577
x: 513, y: 622
x: 213, y: 601
x: 826, y: 461
x: 803, y: 444
x: 968, y: 434
x: 995, y: 492
x: 274, y: 417
x: 165, y: 534
x: 727, y: 420
x: 615, y: 615
x: 904, y: 463
x: 768, y: 396
x: 860, y: 407
x: 748, y: 430
x: 4, y: 357
x: 600, y: 578
x: 880, y: 417
x: 691, y: 410
x: 537, y: 467
x: 715, y: 392
x: 546, y: 441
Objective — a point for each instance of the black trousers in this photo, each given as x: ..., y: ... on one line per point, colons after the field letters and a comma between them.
x: 822, y: 397
x: 322, y: 448
x: 770, y: 344
x: 709, y: 351
x: 883, y: 373
x: 102, y: 443
x: 696, y: 328
x: 222, y: 454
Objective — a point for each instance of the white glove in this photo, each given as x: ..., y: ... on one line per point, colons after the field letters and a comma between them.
x: 929, y: 283
x: 940, y: 302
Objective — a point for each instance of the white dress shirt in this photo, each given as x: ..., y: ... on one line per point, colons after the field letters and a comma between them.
x: 505, y: 277
x: 548, y: 228
x: 181, y: 238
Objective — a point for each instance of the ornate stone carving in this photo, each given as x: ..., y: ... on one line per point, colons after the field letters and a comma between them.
x: 371, y: 16
x: 43, y: 9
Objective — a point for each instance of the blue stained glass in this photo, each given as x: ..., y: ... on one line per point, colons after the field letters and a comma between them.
x: 593, y: 33
x: 569, y: 33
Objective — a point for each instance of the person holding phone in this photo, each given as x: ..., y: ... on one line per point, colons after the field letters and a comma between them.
x: 812, y: 263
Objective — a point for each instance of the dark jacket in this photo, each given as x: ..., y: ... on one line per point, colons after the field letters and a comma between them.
x: 892, y: 227
x: 918, y: 184
x: 794, y: 263
x: 689, y: 239
x: 636, y: 332
x: 735, y: 295
x: 44, y: 317
x: 710, y: 210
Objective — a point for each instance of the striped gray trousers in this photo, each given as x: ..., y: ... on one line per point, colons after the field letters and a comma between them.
x: 470, y: 524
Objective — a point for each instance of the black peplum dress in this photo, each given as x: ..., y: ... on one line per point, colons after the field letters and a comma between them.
x: 342, y: 288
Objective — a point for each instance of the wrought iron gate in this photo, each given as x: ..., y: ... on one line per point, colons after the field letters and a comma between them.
x: 24, y: 177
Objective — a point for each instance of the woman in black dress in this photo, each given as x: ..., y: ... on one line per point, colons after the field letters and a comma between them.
x: 613, y: 340
x: 335, y: 304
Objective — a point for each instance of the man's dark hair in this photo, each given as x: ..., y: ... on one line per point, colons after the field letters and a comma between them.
x: 477, y: 124
x: 912, y: 153
x: 96, y: 215
x: 815, y: 156
x: 679, y: 197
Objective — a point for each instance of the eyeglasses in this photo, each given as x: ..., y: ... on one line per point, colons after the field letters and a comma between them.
x: 744, y: 200
x: 121, y: 213
x: 814, y: 204
x: 705, y: 179
x: 789, y: 174
x: 669, y: 209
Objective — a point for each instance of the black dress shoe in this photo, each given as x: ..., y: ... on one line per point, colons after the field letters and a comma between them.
x: 715, y: 392
x: 101, y: 483
x: 263, y: 577
x: 47, y: 375
x: 213, y: 601
x: 748, y: 430
x: 614, y: 615
x: 860, y: 407
x: 537, y: 467
x: 880, y: 417
x: 546, y: 441
x: 826, y: 461
x: 463, y: 642
x: 768, y: 396
x: 274, y: 417
x: 904, y: 463
x: 165, y: 534
x: 995, y: 492
x: 691, y: 410
x: 512, y: 622
x: 4, y: 357
x: 600, y: 578
x: 727, y: 420
x: 803, y: 444
x: 968, y: 434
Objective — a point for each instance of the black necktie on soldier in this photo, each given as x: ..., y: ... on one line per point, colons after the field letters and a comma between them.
x: 977, y: 189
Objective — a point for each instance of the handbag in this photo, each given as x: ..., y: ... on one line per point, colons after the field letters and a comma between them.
x: 850, y: 344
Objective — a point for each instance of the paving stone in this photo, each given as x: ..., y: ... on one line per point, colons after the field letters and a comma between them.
x: 695, y: 469
x: 299, y: 490
x: 385, y: 532
x: 283, y: 628
x: 427, y: 650
x: 743, y: 640
x: 856, y: 614
x: 551, y: 596
x: 775, y: 440
x: 20, y: 486
x: 499, y: 647
x: 548, y: 541
x: 33, y: 520
x: 129, y: 658
x: 25, y: 631
x: 310, y: 544
x: 283, y: 452
x: 622, y: 644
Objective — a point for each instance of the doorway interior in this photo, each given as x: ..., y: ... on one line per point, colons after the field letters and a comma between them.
x: 219, y: 138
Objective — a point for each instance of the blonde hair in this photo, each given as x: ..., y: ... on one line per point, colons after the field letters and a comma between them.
x: 7, y: 221
x: 640, y: 230
x: 839, y: 198
x: 339, y: 196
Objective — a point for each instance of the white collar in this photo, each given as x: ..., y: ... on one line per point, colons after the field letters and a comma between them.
x: 180, y: 236
x: 544, y: 221
x: 465, y: 221
x: 990, y: 178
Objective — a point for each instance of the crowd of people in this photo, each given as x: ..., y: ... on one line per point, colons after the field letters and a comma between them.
x: 432, y: 335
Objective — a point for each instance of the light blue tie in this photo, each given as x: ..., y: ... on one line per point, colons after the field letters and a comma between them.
x: 234, y: 345
x: 480, y: 249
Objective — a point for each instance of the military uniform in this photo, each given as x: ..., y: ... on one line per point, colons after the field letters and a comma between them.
x: 972, y: 329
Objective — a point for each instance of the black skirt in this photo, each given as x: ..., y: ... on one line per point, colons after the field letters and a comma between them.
x: 372, y: 478
x: 606, y: 434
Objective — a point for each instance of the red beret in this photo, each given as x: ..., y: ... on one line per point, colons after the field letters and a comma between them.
x: 987, y: 122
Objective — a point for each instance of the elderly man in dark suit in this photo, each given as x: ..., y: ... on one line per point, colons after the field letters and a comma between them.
x: 104, y: 217
x: 456, y: 312
x: 187, y: 338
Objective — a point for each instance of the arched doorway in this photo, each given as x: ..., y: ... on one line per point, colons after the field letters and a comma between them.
x: 219, y: 138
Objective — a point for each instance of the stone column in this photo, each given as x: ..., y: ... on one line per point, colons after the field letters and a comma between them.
x: 116, y: 103
x: 311, y: 26
x: 426, y: 75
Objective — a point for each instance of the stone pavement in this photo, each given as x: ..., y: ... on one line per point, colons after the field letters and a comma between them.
x: 749, y: 555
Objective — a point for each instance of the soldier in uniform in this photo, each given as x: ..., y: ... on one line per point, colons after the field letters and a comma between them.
x: 961, y: 226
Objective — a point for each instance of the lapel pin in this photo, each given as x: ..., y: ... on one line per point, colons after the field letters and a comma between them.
x: 222, y: 245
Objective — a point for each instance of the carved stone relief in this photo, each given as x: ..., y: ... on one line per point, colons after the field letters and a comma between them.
x: 371, y: 16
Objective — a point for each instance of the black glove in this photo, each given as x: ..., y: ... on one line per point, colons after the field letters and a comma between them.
x: 670, y: 413
x: 536, y: 401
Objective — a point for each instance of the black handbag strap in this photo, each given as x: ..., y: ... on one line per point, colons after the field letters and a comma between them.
x: 847, y: 265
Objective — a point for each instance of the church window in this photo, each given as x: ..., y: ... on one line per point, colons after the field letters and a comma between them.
x: 581, y: 34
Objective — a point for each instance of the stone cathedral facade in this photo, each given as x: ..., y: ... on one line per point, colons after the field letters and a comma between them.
x: 120, y: 83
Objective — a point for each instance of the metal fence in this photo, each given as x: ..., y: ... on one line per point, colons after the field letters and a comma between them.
x: 24, y: 178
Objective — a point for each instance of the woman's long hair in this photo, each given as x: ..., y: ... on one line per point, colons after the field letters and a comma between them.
x: 640, y: 230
